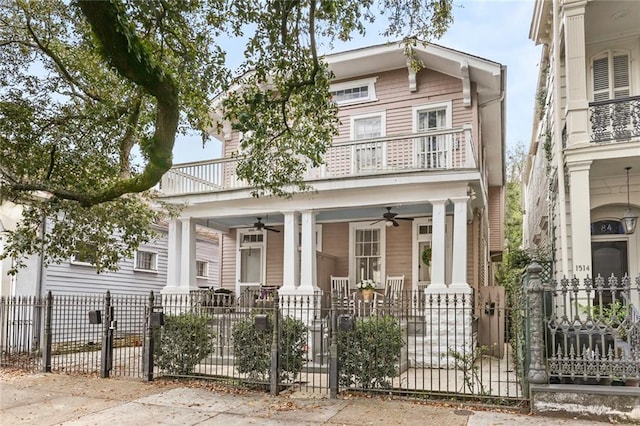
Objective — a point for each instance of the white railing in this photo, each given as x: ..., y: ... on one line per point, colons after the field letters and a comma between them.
x: 449, y: 149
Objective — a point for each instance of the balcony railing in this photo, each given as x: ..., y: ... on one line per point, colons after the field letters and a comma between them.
x: 617, y: 119
x: 437, y: 150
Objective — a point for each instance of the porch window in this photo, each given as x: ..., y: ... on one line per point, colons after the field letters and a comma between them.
x: 368, y: 155
x: 146, y: 261
x: 433, y: 152
x: 251, y: 257
x: 368, y: 256
x: 85, y: 253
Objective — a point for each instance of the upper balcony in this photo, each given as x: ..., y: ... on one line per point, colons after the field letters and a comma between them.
x: 442, y: 150
x: 615, y: 120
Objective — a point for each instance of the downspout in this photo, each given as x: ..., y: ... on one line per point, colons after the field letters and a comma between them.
x: 558, y: 138
x: 37, y: 320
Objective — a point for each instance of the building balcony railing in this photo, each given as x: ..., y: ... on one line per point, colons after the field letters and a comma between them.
x: 448, y: 149
x: 617, y: 119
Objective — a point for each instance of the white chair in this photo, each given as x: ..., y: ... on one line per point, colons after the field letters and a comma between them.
x: 340, y: 287
x: 391, y: 300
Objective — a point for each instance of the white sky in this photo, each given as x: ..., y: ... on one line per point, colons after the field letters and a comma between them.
x: 497, y: 30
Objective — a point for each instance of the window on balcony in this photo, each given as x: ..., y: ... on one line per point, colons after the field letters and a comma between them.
x: 433, y: 151
x: 368, y: 155
x: 612, y: 111
x: 611, y: 76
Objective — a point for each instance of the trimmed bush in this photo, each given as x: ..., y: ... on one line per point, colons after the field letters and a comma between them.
x: 252, y: 348
x: 369, y: 355
x: 185, y: 341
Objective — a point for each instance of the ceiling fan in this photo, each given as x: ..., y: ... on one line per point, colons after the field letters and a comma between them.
x: 390, y: 218
x: 259, y: 225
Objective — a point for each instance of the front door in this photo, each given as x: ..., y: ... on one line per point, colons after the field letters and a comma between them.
x: 607, y: 258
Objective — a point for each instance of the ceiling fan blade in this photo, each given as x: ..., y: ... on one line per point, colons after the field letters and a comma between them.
x: 403, y: 218
x: 377, y: 221
x: 395, y: 223
x: 268, y: 228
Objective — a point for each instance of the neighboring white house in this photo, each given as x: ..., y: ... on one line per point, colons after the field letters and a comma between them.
x: 586, y: 135
x: 146, y: 272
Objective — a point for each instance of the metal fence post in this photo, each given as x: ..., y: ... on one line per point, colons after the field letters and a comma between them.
x: 46, y: 353
x: 107, y: 338
x: 535, y: 289
x: 333, y: 350
x: 147, y: 351
x: 275, y: 348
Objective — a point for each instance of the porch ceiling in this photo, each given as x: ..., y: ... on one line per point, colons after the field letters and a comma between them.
x: 333, y: 215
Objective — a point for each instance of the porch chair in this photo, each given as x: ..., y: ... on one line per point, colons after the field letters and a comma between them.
x: 346, y: 300
x: 391, y: 301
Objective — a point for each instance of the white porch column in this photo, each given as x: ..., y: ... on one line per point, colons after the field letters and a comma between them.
x: 438, y: 246
x: 174, y: 239
x: 580, y: 214
x: 459, y: 264
x: 576, y: 73
x: 188, y: 256
x: 291, y: 263
x: 308, y: 267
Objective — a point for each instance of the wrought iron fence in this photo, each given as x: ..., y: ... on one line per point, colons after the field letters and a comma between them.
x: 421, y: 344
x: 593, y: 331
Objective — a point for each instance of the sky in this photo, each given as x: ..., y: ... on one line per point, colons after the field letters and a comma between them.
x: 497, y: 30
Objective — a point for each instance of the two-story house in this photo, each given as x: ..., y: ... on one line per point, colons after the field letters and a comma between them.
x: 582, y: 182
x: 426, y: 146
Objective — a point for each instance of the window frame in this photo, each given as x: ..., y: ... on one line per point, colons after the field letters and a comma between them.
x: 382, y: 144
x: 359, y: 226
x: 352, y: 84
x: 154, y: 261
x: 74, y: 258
x: 250, y: 245
x: 440, y: 159
x: 206, y: 268
x: 610, y: 54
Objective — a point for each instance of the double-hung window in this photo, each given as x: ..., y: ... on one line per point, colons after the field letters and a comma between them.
x: 202, y: 269
x: 368, y: 155
x: 367, y: 251
x: 433, y: 151
x: 146, y: 261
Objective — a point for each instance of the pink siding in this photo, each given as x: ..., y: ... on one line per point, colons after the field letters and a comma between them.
x: 228, y: 260
x: 399, y: 252
x: 275, y: 252
x: 394, y: 97
x: 335, y: 242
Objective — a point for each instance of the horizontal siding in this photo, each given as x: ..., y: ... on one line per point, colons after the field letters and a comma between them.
x: 228, y: 260
x: 275, y: 252
x: 395, y: 98
x: 399, y: 252
x: 496, y: 218
x: 335, y: 242
x: 70, y: 278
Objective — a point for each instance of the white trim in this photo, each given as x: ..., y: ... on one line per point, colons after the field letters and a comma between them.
x: 383, y: 122
x: 371, y: 91
x: 154, y: 261
x: 415, y: 254
x: 206, y: 269
x: 240, y: 232
x: 383, y: 144
x: 448, y: 105
x: 73, y: 260
x: 353, y: 226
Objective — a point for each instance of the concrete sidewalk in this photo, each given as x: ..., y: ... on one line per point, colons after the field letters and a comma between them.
x: 53, y: 399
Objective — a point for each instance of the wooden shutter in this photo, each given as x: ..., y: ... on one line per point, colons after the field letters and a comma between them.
x: 620, y: 76
x: 601, y: 79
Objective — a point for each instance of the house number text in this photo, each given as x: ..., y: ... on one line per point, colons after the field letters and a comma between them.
x: 582, y: 268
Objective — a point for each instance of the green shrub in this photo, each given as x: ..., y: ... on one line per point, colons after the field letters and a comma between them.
x: 369, y: 355
x: 185, y: 340
x: 252, y: 348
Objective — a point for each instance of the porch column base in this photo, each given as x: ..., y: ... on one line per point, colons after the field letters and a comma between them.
x: 448, y: 327
x: 303, y: 304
